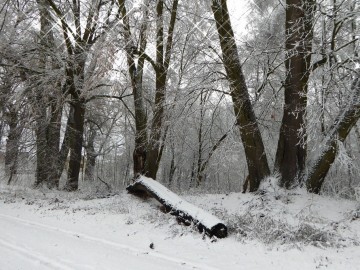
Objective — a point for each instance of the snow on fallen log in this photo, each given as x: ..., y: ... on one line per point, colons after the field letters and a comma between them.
x: 185, y: 211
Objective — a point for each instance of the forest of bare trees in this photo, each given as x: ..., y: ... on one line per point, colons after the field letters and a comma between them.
x: 95, y: 93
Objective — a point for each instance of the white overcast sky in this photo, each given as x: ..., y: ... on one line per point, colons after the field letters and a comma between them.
x: 239, y: 15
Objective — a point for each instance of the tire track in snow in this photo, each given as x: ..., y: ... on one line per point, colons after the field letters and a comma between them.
x: 130, y: 249
x: 35, y: 256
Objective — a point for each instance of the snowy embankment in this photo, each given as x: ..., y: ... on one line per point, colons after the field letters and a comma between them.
x: 272, y: 230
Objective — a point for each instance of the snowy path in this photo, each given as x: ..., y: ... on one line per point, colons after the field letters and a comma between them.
x: 47, y: 247
x: 63, y: 232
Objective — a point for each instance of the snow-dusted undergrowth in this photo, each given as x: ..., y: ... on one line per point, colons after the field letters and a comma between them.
x: 273, y: 216
x: 294, y: 218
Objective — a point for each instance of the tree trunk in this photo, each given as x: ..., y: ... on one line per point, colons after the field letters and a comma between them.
x: 154, y: 153
x: 53, y: 144
x: 136, y: 74
x: 42, y: 169
x: 65, y: 147
x: 12, y: 145
x: 200, y: 170
x: 47, y: 127
x: 320, y: 166
x: 163, y: 56
x: 90, y: 157
x: 292, y: 145
x: 172, y: 166
x: 90, y: 167
x: 249, y: 131
x: 76, y: 143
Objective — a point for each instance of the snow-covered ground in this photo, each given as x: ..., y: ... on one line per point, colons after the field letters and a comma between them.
x: 277, y: 230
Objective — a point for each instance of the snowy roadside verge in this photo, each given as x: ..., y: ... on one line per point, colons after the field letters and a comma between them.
x: 262, y: 227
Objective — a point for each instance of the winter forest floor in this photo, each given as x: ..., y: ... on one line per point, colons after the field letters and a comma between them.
x: 43, y: 229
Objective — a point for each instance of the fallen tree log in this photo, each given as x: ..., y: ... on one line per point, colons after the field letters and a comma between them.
x: 178, y: 207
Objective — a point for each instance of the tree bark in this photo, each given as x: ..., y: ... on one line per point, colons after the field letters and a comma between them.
x: 42, y: 169
x: 90, y: 157
x: 292, y: 145
x: 12, y: 144
x: 153, y: 152
x: 136, y: 75
x: 47, y: 127
x: 249, y: 131
x: 53, y: 144
x: 65, y: 146
x: 76, y: 143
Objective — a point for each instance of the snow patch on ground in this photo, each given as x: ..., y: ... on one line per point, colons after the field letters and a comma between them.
x: 274, y: 229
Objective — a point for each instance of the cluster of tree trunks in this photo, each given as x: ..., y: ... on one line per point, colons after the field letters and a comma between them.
x: 148, y: 148
x: 291, y: 152
x: 48, y: 97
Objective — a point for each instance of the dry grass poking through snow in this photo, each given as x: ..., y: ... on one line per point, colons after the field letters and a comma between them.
x: 292, y: 218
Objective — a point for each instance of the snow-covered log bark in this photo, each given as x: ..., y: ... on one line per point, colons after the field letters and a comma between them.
x: 185, y: 211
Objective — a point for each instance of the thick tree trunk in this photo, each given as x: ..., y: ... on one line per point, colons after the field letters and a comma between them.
x: 53, y: 144
x: 42, y: 154
x: 90, y: 167
x: 12, y: 145
x: 47, y: 146
x: 141, y: 137
x: 249, y: 131
x: 76, y: 143
x: 320, y: 166
x: 48, y: 114
x: 154, y: 153
x: 136, y: 75
x: 65, y: 147
x: 292, y: 145
x: 90, y: 157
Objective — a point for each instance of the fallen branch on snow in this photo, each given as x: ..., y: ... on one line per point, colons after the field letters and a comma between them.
x: 178, y: 207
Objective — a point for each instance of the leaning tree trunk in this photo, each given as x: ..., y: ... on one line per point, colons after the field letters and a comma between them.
x: 320, y: 166
x: 292, y: 146
x: 249, y: 131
